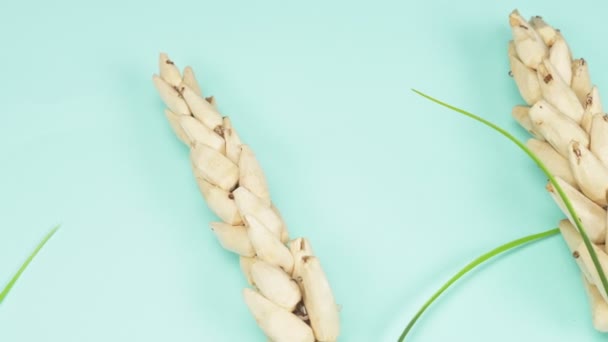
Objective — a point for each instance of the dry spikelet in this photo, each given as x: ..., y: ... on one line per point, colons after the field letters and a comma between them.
x: 289, y: 282
x: 569, y: 117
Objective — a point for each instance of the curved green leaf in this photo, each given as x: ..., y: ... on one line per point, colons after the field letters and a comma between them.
x: 12, y: 282
x: 470, y: 266
x: 484, y: 257
x: 560, y: 191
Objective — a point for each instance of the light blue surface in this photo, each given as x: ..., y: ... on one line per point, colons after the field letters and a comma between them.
x: 395, y: 193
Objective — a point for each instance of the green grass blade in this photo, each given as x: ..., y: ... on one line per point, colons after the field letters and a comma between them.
x: 542, y: 166
x: 478, y: 261
x: 12, y: 282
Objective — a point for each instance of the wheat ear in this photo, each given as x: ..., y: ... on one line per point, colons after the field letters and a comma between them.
x: 564, y: 114
x: 291, y: 299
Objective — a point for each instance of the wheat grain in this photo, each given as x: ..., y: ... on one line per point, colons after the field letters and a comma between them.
x: 566, y: 112
x: 291, y: 300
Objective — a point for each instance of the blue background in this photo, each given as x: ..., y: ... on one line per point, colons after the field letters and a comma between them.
x: 395, y: 193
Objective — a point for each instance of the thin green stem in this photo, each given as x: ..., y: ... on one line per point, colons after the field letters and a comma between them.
x: 560, y: 191
x: 470, y: 266
x: 12, y: 282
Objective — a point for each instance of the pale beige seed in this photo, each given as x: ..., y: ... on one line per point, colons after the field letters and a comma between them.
x: 544, y: 30
x: 521, y: 114
x: 200, y: 134
x: 233, y: 238
x: 590, y: 174
x: 570, y: 234
x: 177, y: 128
x: 246, y: 263
x: 561, y: 58
x: 557, y: 164
x: 201, y: 109
x: 604, y: 244
x: 319, y: 300
x: 558, y: 93
x: 599, y: 307
x: 599, y: 137
x: 168, y: 71
x: 586, y: 121
x: 267, y: 246
x: 277, y: 323
x: 592, y: 216
x: 250, y: 204
x: 214, y: 167
x: 529, y: 46
x: 221, y: 202
x: 593, y: 105
x: 573, y: 240
x: 557, y: 129
x: 526, y: 80
x: 511, y: 49
x: 190, y: 80
x: 299, y: 248
x: 171, y: 97
x: 582, y: 253
x: 274, y: 284
x: 251, y: 175
x: 233, y: 142
x: 212, y: 101
x: 593, y: 102
x: 581, y: 81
